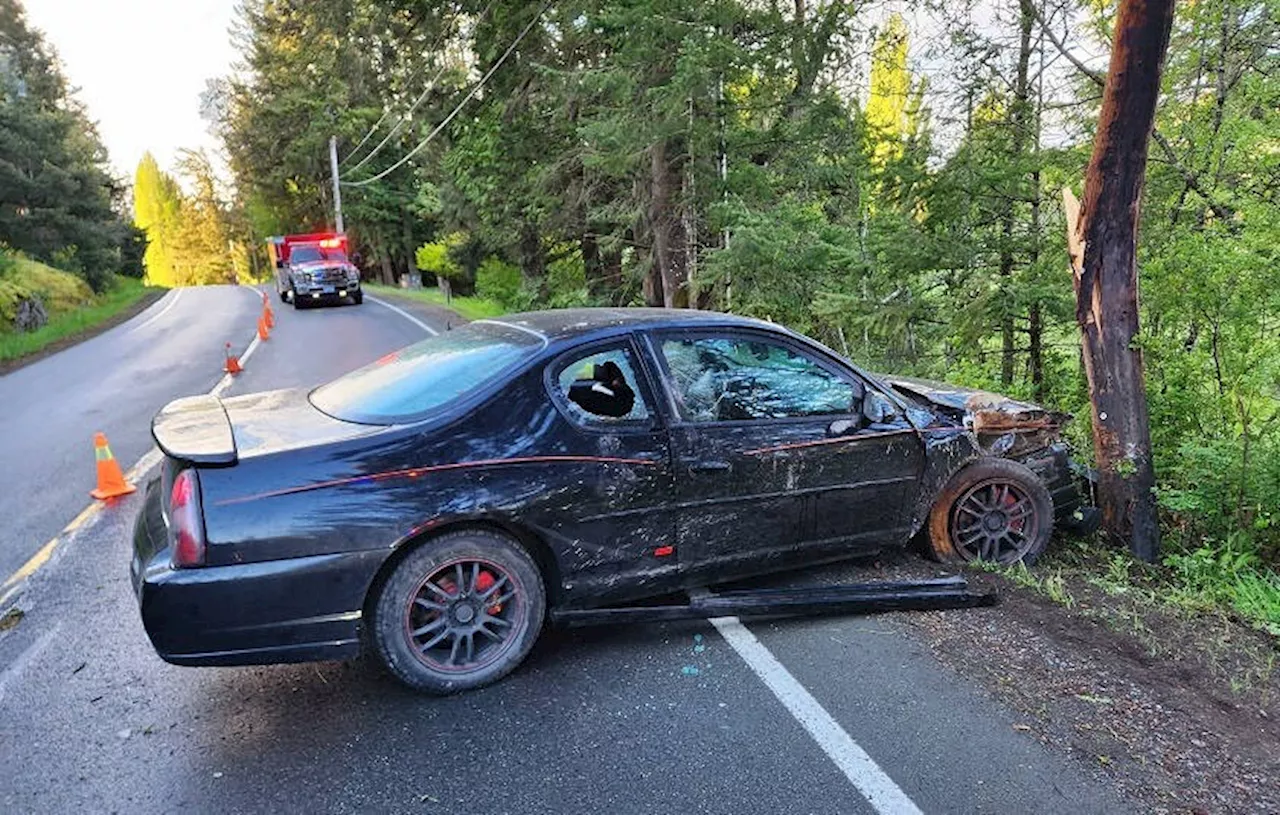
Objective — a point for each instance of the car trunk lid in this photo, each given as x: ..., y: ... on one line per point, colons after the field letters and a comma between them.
x: 213, y: 432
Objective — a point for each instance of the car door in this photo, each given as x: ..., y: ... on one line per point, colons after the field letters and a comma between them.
x: 614, y: 526
x: 775, y: 463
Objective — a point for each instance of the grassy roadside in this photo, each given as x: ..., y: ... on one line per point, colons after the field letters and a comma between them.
x: 472, y: 308
x: 1225, y: 617
x: 67, y: 326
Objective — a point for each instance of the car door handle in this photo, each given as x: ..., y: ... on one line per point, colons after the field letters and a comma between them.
x: 699, y: 465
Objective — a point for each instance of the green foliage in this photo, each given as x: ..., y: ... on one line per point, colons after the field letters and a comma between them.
x: 119, y: 295
x: 20, y: 279
x: 500, y: 282
x: 189, y: 237
x: 1228, y: 574
x: 439, y: 258
x: 57, y: 198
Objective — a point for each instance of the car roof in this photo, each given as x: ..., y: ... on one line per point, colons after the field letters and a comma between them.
x: 571, y: 323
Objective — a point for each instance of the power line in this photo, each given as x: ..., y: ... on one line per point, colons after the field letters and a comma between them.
x: 399, y: 124
x: 457, y: 109
x: 421, y: 98
x: 372, y: 130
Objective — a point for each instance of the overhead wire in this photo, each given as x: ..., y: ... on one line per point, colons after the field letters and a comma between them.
x: 408, y: 115
x: 458, y: 109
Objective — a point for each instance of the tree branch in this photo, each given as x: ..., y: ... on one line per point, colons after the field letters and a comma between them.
x: 1189, y: 177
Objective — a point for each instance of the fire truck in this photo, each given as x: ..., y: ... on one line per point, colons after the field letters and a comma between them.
x: 314, y: 268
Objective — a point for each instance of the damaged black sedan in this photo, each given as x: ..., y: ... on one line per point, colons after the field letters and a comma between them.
x: 437, y: 505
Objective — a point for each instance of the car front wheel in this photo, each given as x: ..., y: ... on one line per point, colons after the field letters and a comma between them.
x: 994, y: 510
x: 459, y: 612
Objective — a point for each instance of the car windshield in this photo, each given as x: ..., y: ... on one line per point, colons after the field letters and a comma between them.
x: 414, y: 381
x: 310, y: 254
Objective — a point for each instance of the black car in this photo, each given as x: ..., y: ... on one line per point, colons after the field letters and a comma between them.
x: 436, y: 504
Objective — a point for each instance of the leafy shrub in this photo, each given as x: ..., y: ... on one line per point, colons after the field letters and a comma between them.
x: 500, y: 282
x: 437, y: 257
x: 567, y: 282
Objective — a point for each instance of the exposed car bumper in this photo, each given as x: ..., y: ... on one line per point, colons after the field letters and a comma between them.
x: 1072, y: 509
x: 292, y: 610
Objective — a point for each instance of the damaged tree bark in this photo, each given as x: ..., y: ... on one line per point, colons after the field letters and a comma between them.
x: 1104, y: 248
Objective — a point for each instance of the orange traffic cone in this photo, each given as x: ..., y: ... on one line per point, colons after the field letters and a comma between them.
x: 232, y: 365
x: 269, y: 315
x: 264, y: 333
x: 111, y: 481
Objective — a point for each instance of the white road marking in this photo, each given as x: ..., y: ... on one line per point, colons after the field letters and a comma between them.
x: 227, y: 379
x: 873, y: 783
x: 404, y: 314
x: 173, y: 301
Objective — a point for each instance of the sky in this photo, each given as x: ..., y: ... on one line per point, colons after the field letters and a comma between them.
x: 140, y: 66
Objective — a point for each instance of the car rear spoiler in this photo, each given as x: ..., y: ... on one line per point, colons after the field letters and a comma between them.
x: 195, y: 429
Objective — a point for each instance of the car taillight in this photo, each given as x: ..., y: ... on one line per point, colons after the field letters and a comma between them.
x: 186, y: 524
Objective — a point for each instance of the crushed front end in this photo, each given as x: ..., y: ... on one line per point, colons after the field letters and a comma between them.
x: 1020, y: 431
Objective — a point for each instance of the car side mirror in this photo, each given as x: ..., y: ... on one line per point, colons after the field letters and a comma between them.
x: 876, y: 408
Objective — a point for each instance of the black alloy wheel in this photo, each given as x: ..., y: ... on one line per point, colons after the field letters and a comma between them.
x: 462, y: 615
x: 994, y: 510
x: 458, y: 611
x: 995, y: 521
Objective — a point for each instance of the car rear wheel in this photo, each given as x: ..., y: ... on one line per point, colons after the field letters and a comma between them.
x: 994, y: 510
x: 459, y: 612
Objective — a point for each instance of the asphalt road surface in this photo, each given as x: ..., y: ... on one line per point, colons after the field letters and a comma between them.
x: 847, y: 715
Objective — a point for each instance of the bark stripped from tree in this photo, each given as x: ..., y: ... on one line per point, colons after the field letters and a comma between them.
x: 1106, y: 276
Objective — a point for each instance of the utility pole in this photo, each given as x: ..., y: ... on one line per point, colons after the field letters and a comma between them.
x: 337, y: 194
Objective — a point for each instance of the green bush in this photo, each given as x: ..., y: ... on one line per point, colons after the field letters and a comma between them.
x: 437, y: 257
x: 500, y: 282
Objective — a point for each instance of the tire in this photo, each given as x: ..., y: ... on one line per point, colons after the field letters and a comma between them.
x: 992, y: 510
x: 426, y: 612
x: 357, y: 298
x: 293, y: 298
x: 283, y: 297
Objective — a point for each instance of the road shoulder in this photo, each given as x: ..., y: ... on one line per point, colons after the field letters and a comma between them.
x: 1167, y: 732
x: 148, y: 298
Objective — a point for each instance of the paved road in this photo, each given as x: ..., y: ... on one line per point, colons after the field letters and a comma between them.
x: 114, y: 383
x: 626, y: 720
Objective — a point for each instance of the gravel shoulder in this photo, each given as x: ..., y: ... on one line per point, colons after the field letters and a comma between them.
x: 1159, y: 711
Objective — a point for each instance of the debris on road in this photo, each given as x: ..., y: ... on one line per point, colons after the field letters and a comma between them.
x: 11, y: 618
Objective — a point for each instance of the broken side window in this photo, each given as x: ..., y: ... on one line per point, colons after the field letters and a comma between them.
x: 602, y: 387
x: 730, y: 378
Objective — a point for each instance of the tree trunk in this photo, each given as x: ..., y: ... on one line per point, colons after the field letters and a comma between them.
x: 592, y: 264
x: 1107, y: 281
x: 1019, y: 119
x: 384, y: 261
x: 533, y: 259
x: 669, y: 273
x: 410, y: 246
x: 1035, y: 351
